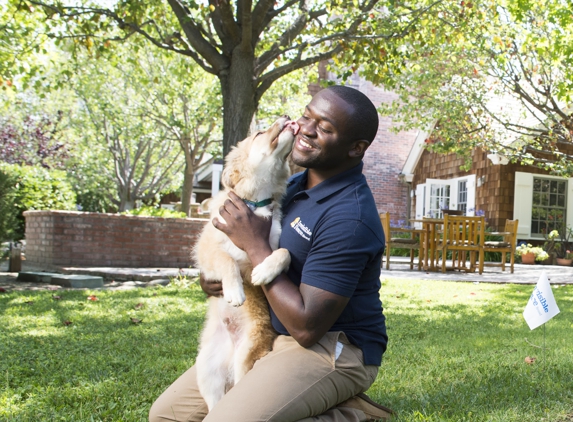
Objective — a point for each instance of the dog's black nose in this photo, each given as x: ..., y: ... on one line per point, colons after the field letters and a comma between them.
x: 286, y: 116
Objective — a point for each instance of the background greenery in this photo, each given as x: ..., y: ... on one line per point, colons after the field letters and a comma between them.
x: 7, y: 211
x: 31, y: 188
x: 129, y: 98
x: 456, y: 353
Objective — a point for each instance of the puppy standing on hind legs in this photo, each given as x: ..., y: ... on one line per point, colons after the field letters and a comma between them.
x: 236, y: 336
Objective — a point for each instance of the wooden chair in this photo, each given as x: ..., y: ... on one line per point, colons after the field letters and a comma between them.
x: 461, y: 235
x: 412, y: 242
x: 507, y: 245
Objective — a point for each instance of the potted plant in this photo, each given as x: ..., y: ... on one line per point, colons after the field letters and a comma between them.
x: 563, y: 251
x: 529, y: 253
x: 551, y: 245
x: 567, y: 259
x: 559, y: 245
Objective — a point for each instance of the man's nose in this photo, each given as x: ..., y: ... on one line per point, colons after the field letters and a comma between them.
x: 307, y: 126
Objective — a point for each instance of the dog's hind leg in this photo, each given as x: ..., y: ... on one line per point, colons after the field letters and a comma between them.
x: 214, y: 362
x: 242, y: 360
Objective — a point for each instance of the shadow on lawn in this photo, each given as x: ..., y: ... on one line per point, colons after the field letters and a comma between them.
x: 466, y: 361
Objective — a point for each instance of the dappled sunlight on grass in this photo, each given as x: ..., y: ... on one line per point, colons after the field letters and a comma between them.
x: 456, y: 352
x: 458, y: 349
x: 101, y: 364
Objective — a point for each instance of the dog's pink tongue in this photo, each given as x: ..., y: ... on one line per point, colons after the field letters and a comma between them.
x: 292, y: 125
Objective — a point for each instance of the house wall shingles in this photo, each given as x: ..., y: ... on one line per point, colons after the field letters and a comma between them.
x: 495, y: 197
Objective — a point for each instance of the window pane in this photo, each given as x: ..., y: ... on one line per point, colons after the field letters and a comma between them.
x: 439, y: 199
x: 549, y: 199
x: 463, y: 196
x: 535, y: 227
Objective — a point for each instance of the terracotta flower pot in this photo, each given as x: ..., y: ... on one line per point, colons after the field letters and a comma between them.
x: 564, y: 261
x: 528, y: 258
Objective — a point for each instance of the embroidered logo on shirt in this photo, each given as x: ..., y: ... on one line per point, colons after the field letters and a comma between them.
x: 301, y: 229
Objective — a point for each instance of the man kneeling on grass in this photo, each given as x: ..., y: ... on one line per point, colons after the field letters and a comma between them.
x: 326, y: 307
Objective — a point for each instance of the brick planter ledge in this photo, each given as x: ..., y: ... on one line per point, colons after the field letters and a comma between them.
x: 69, y: 238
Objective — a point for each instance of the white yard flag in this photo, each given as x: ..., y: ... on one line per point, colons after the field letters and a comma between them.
x: 541, y: 306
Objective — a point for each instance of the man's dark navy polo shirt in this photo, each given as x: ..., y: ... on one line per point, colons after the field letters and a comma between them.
x: 335, y: 238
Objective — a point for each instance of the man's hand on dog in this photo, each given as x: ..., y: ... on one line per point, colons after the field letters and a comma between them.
x: 246, y: 230
x: 211, y: 287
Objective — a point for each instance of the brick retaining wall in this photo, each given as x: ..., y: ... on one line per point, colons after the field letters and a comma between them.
x: 68, y: 238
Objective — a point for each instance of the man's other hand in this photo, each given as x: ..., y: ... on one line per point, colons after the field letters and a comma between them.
x: 211, y: 287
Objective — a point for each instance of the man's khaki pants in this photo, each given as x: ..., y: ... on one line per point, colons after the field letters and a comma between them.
x: 291, y: 383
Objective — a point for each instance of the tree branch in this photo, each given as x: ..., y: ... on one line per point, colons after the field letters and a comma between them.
x: 224, y: 23
x: 217, y: 61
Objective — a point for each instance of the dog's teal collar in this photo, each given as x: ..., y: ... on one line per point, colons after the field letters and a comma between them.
x: 254, y: 205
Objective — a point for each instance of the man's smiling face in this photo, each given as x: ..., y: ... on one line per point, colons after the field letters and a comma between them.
x: 322, y: 142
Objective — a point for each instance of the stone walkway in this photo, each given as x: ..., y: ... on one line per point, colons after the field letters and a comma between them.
x: 114, y: 278
x: 130, y: 278
x: 522, y: 274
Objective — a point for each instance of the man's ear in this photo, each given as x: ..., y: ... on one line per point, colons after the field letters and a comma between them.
x: 358, y: 148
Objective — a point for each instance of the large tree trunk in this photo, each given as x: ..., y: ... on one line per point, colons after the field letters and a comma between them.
x: 126, y: 204
x: 187, y: 190
x: 239, y: 105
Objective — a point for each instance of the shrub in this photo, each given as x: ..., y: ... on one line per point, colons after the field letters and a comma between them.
x: 36, y: 188
x: 148, y: 211
x: 8, y: 212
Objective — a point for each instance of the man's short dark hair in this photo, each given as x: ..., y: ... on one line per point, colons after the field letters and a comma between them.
x: 365, y: 119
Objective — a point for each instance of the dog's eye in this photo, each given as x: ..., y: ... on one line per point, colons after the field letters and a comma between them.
x: 258, y: 133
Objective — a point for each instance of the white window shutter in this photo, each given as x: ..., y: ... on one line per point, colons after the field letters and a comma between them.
x: 454, y: 194
x: 471, y: 185
x: 420, y: 198
x: 523, y: 202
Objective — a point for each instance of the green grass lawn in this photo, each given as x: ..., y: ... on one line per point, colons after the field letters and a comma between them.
x: 457, y: 352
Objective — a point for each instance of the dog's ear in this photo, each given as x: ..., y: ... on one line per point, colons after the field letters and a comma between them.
x: 230, y: 176
x: 233, y: 165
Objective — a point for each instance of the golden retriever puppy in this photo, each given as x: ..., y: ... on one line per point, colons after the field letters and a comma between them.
x: 235, y: 336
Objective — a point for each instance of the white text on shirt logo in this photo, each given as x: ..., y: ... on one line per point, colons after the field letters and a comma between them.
x: 301, y: 229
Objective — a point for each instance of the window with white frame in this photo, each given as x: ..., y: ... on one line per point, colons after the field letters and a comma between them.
x: 548, y: 205
x: 541, y: 204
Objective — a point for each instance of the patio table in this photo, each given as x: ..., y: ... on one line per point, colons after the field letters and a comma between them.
x: 430, y: 230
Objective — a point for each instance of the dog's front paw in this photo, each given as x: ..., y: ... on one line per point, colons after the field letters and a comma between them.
x: 261, y: 276
x: 235, y: 297
x: 271, y: 267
